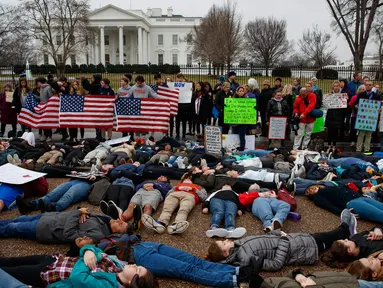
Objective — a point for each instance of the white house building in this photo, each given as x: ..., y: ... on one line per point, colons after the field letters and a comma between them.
x: 135, y: 37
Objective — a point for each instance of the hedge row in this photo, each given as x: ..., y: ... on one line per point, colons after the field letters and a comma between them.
x: 110, y: 68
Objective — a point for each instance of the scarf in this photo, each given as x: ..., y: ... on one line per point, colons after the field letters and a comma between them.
x: 279, y: 105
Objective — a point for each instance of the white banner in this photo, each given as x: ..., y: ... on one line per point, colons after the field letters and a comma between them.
x: 12, y: 174
x: 335, y: 101
x: 277, y: 128
x: 213, y: 140
x: 185, y: 88
x: 231, y: 142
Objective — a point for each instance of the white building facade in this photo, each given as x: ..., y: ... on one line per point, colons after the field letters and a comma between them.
x: 135, y: 37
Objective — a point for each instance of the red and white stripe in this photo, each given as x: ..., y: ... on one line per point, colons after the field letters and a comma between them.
x: 98, y: 113
x: 172, y: 95
x: 46, y: 115
x: 155, y: 114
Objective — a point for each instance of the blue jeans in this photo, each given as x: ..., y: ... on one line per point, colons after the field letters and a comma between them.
x: 66, y: 194
x: 368, y: 209
x: 22, y: 227
x: 270, y: 209
x: 257, y: 153
x: 129, y: 167
x: 166, y: 261
x: 220, y: 209
x: 369, y: 284
x: 7, y: 281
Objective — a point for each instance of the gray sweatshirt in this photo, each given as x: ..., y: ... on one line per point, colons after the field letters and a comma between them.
x: 142, y: 92
x: 123, y: 92
x: 45, y: 93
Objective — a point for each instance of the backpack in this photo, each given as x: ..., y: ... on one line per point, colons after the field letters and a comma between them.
x: 316, y: 144
x: 285, y: 196
x: 319, y: 101
x: 98, y: 191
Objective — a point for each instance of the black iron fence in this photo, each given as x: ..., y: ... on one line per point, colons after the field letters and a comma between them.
x: 207, y: 73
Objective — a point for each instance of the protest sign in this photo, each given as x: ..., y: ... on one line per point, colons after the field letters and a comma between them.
x: 9, y: 97
x: 240, y: 111
x: 213, y: 140
x: 12, y: 174
x: 335, y: 101
x: 185, y: 88
x: 230, y: 142
x: 367, y: 116
x: 277, y: 128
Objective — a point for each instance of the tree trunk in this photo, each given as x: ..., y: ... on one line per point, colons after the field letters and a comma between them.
x: 267, y: 70
x: 358, y: 62
x: 209, y: 73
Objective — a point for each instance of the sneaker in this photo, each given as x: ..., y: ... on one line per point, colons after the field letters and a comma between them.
x: 236, y: 233
x: 345, y: 217
x: 276, y: 225
x: 217, y: 232
x: 291, y: 188
x: 203, y: 162
x: 49, y: 139
x: 352, y: 226
x: 42, y: 206
x: 268, y: 229
x: 43, y: 138
x: 113, y: 210
x: 104, y: 207
x: 137, y: 216
x: 180, y: 164
x: 23, y: 206
x: 178, y: 227
x: 150, y: 223
x: 142, y: 141
x: 352, y: 144
x: 277, y: 180
x: 160, y: 163
x: 10, y: 159
x: 17, y: 159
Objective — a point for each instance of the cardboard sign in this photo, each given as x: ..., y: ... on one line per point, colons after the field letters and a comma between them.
x: 185, y: 88
x: 213, y: 139
x: 231, y: 142
x: 335, y: 101
x: 368, y: 115
x: 277, y: 128
x: 12, y: 174
x: 9, y: 97
x: 240, y: 111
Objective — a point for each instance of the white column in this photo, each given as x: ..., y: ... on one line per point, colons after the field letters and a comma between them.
x: 145, y: 48
x: 131, y: 42
x: 102, y: 45
x: 149, y: 47
x: 139, y: 45
x: 97, y: 51
x: 121, y: 44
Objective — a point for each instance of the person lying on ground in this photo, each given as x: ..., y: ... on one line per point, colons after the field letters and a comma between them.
x: 224, y: 205
x: 278, y: 249
x: 320, y: 171
x: 261, y: 176
x: 120, y: 154
x: 368, y: 268
x: 335, y: 199
x: 184, y: 196
x: 161, y: 157
x: 96, y: 156
x: 61, y: 227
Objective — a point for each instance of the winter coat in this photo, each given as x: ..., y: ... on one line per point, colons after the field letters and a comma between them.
x: 293, y: 250
x: 277, y: 108
x: 327, y: 279
x: 106, y: 91
x: 204, y: 106
x: 334, y: 118
x: 94, y: 88
x: 220, y: 99
x: 45, y: 93
x: 365, y: 95
x: 64, y: 227
x: 8, y: 115
x: 305, y: 106
x: 263, y: 100
x: 163, y: 187
x: 16, y: 102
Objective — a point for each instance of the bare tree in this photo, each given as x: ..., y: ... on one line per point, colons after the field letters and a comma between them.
x: 267, y: 40
x: 60, y: 26
x: 218, y: 39
x: 378, y: 33
x: 316, y: 46
x: 354, y: 19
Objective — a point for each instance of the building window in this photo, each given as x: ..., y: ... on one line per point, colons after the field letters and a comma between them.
x: 160, y: 40
x: 72, y: 59
x: 45, y: 40
x: 175, y: 40
x: 86, y: 40
x: 189, y: 59
x: 124, y: 40
x: 87, y: 58
x: 60, y: 58
x: 106, y: 40
x: 189, y: 39
x: 46, y: 59
x: 175, y: 59
x: 58, y: 39
x: 107, y: 59
x: 72, y: 40
x: 160, y: 59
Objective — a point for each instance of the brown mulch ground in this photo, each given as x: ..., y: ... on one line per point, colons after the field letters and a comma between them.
x: 193, y: 240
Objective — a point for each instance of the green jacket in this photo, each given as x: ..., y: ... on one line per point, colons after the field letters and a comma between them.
x: 82, y: 277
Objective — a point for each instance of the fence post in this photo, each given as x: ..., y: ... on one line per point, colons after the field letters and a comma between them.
x: 199, y: 71
x: 251, y: 69
x: 13, y: 76
x: 149, y: 70
x: 300, y: 71
x: 351, y: 71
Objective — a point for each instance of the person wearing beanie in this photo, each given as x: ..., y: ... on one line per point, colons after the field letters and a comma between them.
x: 264, y: 98
x: 233, y: 84
x: 278, y: 84
x: 218, y: 86
x: 314, y: 80
x: 8, y: 115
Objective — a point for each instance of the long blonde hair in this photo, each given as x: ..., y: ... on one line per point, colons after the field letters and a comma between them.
x: 287, y: 90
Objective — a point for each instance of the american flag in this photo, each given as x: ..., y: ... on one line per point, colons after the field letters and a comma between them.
x: 172, y: 96
x: 142, y: 115
x: 40, y: 116
x: 86, y: 111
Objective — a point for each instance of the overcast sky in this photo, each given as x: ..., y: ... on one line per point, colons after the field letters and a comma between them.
x: 299, y: 14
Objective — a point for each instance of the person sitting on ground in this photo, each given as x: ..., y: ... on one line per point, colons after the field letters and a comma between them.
x: 335, y: 199
x: 186, y: 196
x: 161, y: 157
x: 61, y: 227
x: 266, y: 207
x: 278, y: 249
x: 224, y: 205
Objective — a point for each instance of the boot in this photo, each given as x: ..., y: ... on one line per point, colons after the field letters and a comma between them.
x: 23, y: 206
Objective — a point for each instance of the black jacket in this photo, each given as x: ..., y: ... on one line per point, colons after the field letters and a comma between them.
x: 204, y: 106
x: 274, y: 110
x: 93, y: 89
x: 17, y: 99
x: 264, y: 99
x: 220, y: 99
x: 334, y: 118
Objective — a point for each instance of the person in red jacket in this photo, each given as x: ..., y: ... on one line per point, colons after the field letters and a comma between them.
x: 303, y: 105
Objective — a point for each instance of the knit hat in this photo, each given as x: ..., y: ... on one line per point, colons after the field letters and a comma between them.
x: 8, y: 85
x: 231, y: 73
x: 314, y: 79
x: 278, y: 79
x: 222, y: 78
x: 266, y: 82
